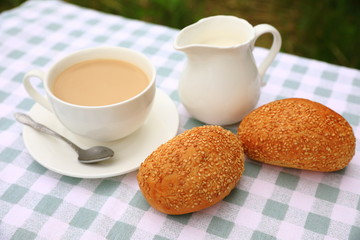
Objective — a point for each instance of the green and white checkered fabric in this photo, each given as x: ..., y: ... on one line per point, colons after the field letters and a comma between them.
x: 268, y: 203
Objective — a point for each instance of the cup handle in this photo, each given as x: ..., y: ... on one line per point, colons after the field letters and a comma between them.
x: 275, y: 47
x: 31, y: 90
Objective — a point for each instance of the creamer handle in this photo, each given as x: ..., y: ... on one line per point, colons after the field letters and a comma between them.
x: 275, y: 47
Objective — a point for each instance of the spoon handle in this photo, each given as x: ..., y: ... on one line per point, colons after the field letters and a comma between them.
x: 27, y: 120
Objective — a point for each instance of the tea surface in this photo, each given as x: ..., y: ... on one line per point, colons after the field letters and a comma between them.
x: 99, y: 82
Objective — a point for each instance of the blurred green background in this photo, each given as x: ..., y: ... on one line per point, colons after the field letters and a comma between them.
x: 327, y: 30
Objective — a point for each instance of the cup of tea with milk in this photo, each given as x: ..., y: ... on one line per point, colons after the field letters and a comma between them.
x: 102, y: 93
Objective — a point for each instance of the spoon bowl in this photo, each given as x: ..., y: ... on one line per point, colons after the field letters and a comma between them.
x: 95, y: 154
x: 91, y: 155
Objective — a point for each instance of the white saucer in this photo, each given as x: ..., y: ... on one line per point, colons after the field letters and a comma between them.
x: 130, y: 151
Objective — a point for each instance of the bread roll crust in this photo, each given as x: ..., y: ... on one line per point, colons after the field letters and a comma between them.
x: 298, y: 133
x: 192, y: 171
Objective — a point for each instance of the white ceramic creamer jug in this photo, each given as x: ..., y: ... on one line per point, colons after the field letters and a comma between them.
x: 221, y: 82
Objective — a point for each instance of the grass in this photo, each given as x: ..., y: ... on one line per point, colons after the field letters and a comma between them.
x: 324, y: 30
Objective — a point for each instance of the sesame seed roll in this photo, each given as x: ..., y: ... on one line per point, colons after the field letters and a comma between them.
x: 298, y: 133
x: 192, y: 171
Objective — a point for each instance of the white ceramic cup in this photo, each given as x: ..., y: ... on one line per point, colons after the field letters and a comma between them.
x: 102, y: 123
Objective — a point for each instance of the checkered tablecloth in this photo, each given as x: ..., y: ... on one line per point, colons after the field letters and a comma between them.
x: 268, y: 203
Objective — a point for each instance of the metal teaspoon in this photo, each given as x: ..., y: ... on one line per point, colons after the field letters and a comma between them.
x: 91, y: 155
